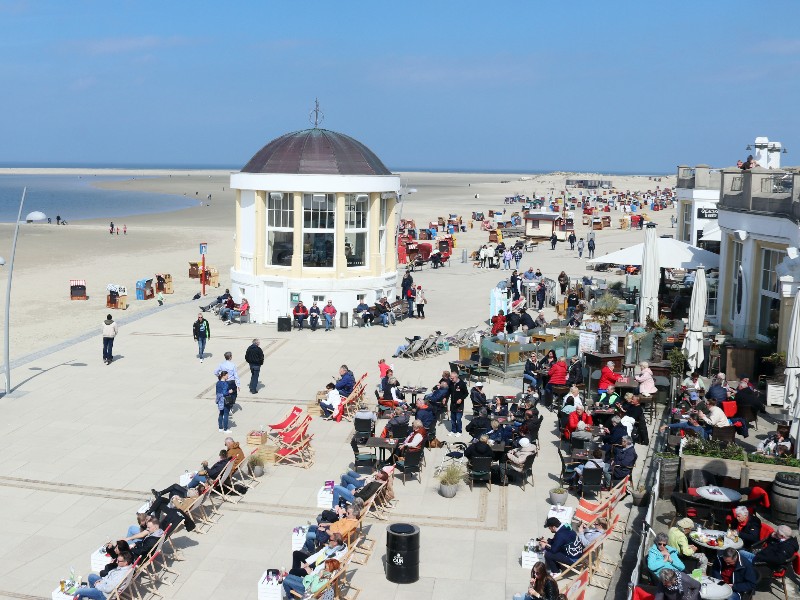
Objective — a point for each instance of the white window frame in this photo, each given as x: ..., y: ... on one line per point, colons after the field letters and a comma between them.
x: 284, y: 217
x: 736, y: 253
x: 330, y: 218
x: 772, y: 291
x: 357, y: 222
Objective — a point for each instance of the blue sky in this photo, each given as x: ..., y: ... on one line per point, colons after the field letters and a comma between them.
x: 612, y: 86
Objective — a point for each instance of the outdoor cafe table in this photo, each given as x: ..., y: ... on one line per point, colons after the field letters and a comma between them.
x: 715, y: 493
x: 580, y: 455
x: 603, y: 415
x: 714, y: 589
x: 562, y: 513
x: 413, y: 391
x: 382, y: 444
x: 713, y: 534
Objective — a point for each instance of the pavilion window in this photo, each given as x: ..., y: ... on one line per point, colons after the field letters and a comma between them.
x: 319, y: 222
x: 280, y: 229
x: 356, y: 230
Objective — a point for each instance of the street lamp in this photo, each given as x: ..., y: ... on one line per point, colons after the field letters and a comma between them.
x: 6, y: 341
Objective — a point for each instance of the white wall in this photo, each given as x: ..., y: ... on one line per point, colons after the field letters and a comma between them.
x: 247, y: 235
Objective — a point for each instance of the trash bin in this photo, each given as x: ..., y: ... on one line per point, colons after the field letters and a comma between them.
x: 464, y: 255
x: 402, y: 553
x: 343, y: 317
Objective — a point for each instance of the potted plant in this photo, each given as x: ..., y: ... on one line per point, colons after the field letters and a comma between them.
x: 778, y: 362
x: 639, y: 495
x: 256, y: 464
x: 558, y: 496
x: 449, y: 479
x: 659, y: 327
x: 603, y: 310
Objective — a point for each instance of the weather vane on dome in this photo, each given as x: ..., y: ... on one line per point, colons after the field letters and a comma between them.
x: 316, y: 116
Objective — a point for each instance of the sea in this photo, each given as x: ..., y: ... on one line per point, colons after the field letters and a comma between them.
x: 74, y: 197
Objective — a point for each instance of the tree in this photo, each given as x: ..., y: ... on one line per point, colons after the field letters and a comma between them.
x: 659, y: 327
x: 603, y: 310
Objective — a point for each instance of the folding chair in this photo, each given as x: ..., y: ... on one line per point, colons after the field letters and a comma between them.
x: 411, y: 464
x: 246, y: 476
x: 218, y: 487
x: 127, y: 583
x: 288, y: 421
x: 198, y: 512
x: 299, y: 454
x: 290, y: 437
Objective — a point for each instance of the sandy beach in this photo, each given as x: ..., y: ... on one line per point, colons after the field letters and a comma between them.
x: 49, y: 256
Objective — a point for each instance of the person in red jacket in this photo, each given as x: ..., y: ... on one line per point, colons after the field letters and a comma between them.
x: 556, y: 375
x: 574, y: 418
x: 607, y: 377
x: 300, y: 313
x: 498, y: 323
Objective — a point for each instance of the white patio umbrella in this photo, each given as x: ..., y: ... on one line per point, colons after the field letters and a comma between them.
x: 791, y: 401
x: 672, y: 254
x: 648, y: 301
x: 693, y: 343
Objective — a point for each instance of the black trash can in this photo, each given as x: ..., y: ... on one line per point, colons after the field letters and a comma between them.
x: 284, y: 324
x: 402, y: 553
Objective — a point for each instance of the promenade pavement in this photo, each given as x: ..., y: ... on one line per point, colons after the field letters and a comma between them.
x: 85, y: 442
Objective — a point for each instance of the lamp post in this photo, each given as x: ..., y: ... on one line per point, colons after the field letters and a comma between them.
x: 6, y: 339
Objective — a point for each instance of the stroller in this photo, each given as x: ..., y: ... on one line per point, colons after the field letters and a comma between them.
x: 453, y: 455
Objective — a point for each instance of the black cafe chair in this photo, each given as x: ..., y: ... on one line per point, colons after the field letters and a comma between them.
x: 480, y: 469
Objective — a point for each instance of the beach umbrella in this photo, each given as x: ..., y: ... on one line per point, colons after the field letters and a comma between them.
x: 693, y: 343
x: 672, y: 254
x: 35, y: 216
x: 648, y: 300
x: 791, y: 402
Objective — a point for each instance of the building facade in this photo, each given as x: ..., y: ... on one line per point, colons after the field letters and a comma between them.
x: 759, y: 220
x: 315, y: 221
x: 697, y: 195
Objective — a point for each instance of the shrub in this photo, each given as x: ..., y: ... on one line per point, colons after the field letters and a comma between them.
x: 712, y: 449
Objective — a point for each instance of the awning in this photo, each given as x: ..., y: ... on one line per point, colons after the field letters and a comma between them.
x: 711, y: 233
x: 672, y: 254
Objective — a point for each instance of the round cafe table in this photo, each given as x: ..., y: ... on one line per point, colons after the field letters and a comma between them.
x: 715, y: 493
x: 714, y: 589
x: 714, y: 534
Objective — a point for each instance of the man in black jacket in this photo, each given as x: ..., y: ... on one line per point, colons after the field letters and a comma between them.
x: 154, y: 533
x: 480, y: 449
x: 254, y: 356
x: 778, y: 548
x: 478, y: 397
x: 745, y: 396
x: 575, y: 373
x: 458, y: 394
x: 480, y: 424
x: 201, y: 331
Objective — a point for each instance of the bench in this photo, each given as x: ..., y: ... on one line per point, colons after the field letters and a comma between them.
x: 243, y: 318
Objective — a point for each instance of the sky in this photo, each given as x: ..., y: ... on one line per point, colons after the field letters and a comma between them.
x: 616, y: 86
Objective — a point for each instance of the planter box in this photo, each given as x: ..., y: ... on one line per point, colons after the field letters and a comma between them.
x: 257, y: 438
x: 717, y: 466
x: 766, y: 472
x: 775, y: 394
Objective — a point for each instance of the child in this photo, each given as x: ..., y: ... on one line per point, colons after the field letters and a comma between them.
x: 383, y: 367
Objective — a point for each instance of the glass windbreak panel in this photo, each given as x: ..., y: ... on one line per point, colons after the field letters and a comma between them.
x: 318, y: 249
x: 711, y: 292
x: 356, y: 207
x: 355, y: 249
x: 280, y: 248
x: 768, y: 314
x: 319, y: 211
x: 280, y: 210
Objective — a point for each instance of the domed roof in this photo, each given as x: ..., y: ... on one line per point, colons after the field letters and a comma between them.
x: 316, y: 152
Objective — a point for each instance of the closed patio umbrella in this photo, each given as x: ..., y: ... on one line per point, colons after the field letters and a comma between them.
x: 693, y: 343
x: 791, y: 402
x: 648, y: 301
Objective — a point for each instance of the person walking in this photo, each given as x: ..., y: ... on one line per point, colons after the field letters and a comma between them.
x: 254, y: 356
x: 571, y: 240
x: 421, y: 302
x: 507, y: 256
x: 223, y: 401
x: 590, y: 247
x: 553, y: 241
x: 580, y: 248
x: 201, y: 331
x: 110, y: 330
x: 235, y: 385
x: 517, y: 252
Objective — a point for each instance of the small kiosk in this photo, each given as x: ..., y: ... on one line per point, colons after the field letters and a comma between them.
x: 164, y: 283
x: 144, y: 289
x: 117, y: 296
x: 77, y: 289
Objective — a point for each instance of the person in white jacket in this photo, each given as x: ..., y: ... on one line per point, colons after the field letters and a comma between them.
x: 110, y: 330
x: 100, y: 588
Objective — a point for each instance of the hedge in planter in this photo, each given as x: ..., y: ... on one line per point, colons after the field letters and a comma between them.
x: 712, y: 449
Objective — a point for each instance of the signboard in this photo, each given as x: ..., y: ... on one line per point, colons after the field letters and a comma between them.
x: 203, y: 248
x: 587, y: 342
x: 707, y: 213
x: 295, y: 297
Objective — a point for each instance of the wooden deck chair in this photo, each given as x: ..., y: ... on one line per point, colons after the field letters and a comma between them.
x: 597, y: 561
x: 245, y: 473
x: 223, y: 481
x: 583, y: 563
x: 294, y: 434
x: 198, y: 513
x: 299, y: 455
x: 577, y: 589
x: 150, y: 570
x: 288, y: 421
x: 422, y: 351
x: 588, y: 512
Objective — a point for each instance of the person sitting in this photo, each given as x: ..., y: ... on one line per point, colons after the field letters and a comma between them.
x: 575, y: 374
x: 609, y: 397
x: 425, y: 414
x: 746, y: 396
x: 540, y: 320
x: 542, y: 585
x: 238, y: 311
x: 564, y: 548
x: 329, y: 313
x: 548, y: 360
x: 718, y: 390
x: 580, y: 433
x: 662, y: 556
x: 515, y: 463
x: 479, y: 425
x: 304, y: 563
x: 220, y: 300
x: 526, y: 320
x: 363, y: 311
x: 382, y: 313
x: 579, y: 415
x: 346, y: 382
x: 414, y: 442
x: 595, y: 462
x: 647, y: 385
x: 500, y: 433
x: 101, y: 587
x: 399, y: 418
x: 225, y: 310
x: 113, y: 550
x: 624, y: 459
x: 436, y: 399
x: 499, y: 407
x: 313, y: 316
x: 588, y: 534
x: 341, y: 520
x: 479, y: 449
x: 365, y: 414
x: 234, y: 451
x: 557, y: 374
x: 576, y: 319
x: 737, y: 571
x: 691, y: 424
x: 529, y: 375
x: 716, y: 416
x: 148, y: 538
x: 770, y: 444
x: 333, y: 400
x: 352, y: 486
x: 571, y: 401
x: 673, y: 585
x: 477, y: 397
x: 607, y: 377
x: 748, y: 525
x: 776, y: 549
x: 631, y: 408
x: 300, y: 313
x: 311, y: 582
x: 498, y: 323
x: 205, y: 473
x: 688, y: 552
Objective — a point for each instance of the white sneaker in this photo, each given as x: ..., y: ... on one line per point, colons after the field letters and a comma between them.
x: 227, y: 431
x: 201, y: 360
x: 450, y: 434
x: 458, y: 434
x: 221, y: 430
